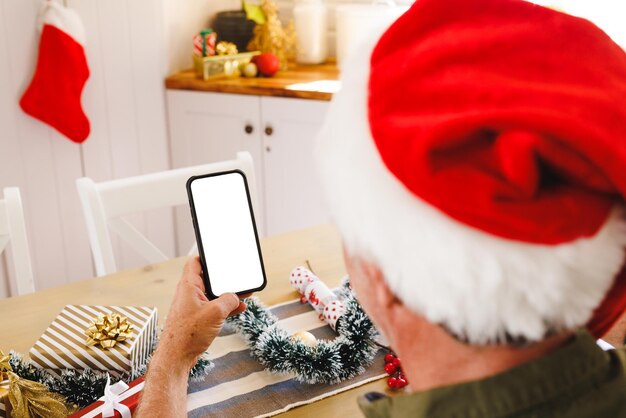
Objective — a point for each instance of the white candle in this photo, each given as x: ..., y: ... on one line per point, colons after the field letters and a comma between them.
x: 311, y: 21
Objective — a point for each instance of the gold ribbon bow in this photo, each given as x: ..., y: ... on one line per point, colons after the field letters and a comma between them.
x: 30, y: 399
x: 108, y: 330
x: 226, y: 48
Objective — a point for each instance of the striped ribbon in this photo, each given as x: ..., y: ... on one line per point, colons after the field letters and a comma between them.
x: 62, y: 345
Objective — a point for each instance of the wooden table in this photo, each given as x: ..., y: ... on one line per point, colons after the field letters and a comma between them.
x: 24, y: 318
x: 317, y: 82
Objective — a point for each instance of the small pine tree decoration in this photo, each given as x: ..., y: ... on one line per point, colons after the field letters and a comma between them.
x: 272, y: 37
x: 80, y: 387
x: 202, y: 368
x: 26, y: 370
x: 84, y: 387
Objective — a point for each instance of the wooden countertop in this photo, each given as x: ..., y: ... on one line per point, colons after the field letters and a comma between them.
x: 317, y: 82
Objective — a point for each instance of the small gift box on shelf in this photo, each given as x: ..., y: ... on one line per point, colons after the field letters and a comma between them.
x: 5, y: 405
x: 221, y: 65
x: 106, y: 338
x: 204, y: 43
x: 119, y: 400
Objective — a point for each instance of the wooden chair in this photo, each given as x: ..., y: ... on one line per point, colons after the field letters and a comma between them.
x: 13, y: 231
x: 105, y: 203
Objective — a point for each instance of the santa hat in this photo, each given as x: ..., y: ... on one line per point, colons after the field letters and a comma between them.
x: 477, y: 154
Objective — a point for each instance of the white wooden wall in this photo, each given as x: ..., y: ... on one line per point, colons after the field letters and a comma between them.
x: 610, y: 15
x: 185, y: 18
x: 131, y: 46
x: 124, y: 100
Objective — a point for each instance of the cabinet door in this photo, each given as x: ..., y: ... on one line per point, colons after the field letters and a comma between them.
x: 210, y: 127
x: 293, y: 198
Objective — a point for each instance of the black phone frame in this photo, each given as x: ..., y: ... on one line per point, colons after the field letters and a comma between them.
x: 205, y: 271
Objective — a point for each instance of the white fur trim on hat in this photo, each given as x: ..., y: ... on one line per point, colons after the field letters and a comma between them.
x: 479, y: 286
x: 63, y: 18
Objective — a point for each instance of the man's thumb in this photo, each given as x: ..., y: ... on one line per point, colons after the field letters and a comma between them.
x: 225, y: 304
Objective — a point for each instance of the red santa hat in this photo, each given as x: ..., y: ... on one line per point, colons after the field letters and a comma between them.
x: 477, y: 154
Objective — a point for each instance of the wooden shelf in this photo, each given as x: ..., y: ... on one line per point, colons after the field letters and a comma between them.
x: 316, y: 82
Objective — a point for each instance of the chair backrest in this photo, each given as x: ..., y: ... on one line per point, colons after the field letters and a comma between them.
x: 13, y: 230
x: 105, y: 203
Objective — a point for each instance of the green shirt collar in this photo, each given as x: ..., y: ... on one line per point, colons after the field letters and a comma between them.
x: 578, y: 366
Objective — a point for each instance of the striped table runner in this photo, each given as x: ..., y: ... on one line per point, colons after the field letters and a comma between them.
x: 239, y: 387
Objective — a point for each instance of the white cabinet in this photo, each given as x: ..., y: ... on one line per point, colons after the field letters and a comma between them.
x: 278, y: 132
x: 292, y: 193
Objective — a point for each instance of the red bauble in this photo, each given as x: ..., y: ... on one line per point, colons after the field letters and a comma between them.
x: 401, y: 382
x: 392, y: 382
x: 389, y: 358
x: 267, y: 63
x: 396, y: 362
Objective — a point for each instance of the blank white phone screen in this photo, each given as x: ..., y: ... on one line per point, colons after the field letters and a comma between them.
x: 225, y: 223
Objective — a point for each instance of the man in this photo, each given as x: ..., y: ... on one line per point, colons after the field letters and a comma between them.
x: 475, y: 164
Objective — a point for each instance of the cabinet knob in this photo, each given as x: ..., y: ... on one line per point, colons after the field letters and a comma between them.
x: 249, y: 129
x: 269, y: 130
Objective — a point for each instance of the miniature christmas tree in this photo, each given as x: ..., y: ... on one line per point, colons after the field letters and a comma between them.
x: 272, y: 37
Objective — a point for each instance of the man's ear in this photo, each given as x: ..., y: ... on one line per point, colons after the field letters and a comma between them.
x: 381, y: 290
x: 369, y: 275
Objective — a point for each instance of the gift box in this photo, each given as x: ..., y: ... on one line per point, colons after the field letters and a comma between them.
x: 221, y: 65
x: 64, y: 344
x: 119, y: 400
x: 5, y: 405
x: 204, y: 43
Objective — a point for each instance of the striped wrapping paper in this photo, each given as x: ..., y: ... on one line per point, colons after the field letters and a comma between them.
x: 5, y: 406
x: 204, y: 43
x: 239, y: 387
x: 62, y: 345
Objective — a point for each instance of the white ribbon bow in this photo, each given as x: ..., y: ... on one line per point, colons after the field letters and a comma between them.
x: 112, y: 400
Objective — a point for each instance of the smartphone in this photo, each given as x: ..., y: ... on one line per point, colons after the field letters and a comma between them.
x: 226, y: 233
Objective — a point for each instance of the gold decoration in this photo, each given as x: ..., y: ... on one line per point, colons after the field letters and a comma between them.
x: 5, y: 365
x: 226, y: 48
x: 306, y: 338
x: 108, y: 330
x: 30, y: 399
x: 272, y: 37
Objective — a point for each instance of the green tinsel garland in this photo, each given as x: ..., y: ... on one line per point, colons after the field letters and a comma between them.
x: 84, y: 387
x: 327, y: 362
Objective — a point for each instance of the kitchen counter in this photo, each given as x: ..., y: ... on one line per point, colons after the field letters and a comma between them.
x: 316, y: 82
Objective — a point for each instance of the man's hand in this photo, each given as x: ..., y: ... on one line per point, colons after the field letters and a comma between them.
x: 191, y: 326
x: 194, y: 321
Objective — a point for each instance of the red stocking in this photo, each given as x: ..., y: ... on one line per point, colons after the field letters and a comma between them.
x: 54, y: 92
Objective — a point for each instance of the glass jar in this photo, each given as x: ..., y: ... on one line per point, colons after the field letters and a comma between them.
x: 311, y: 21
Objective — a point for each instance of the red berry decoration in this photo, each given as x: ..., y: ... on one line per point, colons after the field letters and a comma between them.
x: 393, y: 367
x: 390, y: 369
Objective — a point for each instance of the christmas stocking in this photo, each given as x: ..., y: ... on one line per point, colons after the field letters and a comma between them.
x: 54, y: 92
